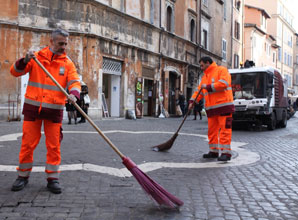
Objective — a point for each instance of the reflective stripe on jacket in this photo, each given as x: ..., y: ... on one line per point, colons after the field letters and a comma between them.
x: 218, y: 94
x: 43, y: 99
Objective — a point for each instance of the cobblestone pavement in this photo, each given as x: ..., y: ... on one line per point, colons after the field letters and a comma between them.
x: 265, y: 189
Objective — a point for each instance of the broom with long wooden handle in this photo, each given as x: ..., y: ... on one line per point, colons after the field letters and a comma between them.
x: 168, y: 144
x: 156, y: 191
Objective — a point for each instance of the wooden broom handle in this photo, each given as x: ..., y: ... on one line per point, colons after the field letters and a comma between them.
x: 80, y: 110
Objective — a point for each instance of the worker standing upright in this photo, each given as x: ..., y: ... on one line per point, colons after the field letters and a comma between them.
x: 44, y: 104
x: 217, y: 92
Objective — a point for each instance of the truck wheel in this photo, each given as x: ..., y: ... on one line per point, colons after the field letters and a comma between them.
x: 284, y: 121
x: 272, y: 122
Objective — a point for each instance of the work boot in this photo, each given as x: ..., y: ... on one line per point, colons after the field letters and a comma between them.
x: 53, y: 186
x: 19, y: 183
x: 224, y: 157
x: 210, y: 155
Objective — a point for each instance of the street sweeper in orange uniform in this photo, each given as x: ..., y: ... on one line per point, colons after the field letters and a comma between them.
x: 217, y: 92
x: 44, y: 104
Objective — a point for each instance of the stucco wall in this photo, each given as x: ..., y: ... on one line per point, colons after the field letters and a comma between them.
x: 96, y: 31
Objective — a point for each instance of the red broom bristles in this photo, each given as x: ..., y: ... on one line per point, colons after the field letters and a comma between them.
x: 156, y: 191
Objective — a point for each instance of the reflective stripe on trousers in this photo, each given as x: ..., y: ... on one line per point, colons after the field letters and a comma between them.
x: 30, y: 139
x: 220, y: 132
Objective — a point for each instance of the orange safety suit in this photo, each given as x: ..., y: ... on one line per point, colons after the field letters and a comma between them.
x: 44, y: 102
x: 218, y: 105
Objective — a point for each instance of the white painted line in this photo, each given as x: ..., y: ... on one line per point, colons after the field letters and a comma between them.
x: 10, y: 137
x: 244, y: 157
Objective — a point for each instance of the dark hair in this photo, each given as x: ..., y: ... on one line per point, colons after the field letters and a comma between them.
x: 206, y: 59
x: 61, y: 32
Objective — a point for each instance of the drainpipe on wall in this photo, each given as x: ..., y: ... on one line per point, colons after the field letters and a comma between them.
x: 242, y: 32
x: 232, y: 41
x: 200, y: 26
x: 199, y: 38
x: 159, y: 63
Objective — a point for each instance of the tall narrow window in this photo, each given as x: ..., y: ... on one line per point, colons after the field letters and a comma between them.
x: 238, y: 4
x: 279, y: 54
x: 192, y: 30
x: 237, y: 30
x: 205, y: 39
x: 224, y: 49
x: 236, y: 61
x: 169, y: 19
x: 225, y: 9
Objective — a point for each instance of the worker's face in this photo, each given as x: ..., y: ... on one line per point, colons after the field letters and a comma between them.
x: 58, y: 44
x: 204, y: 66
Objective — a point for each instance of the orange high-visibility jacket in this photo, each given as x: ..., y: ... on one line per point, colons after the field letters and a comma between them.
x: 43, y: 99
x: 218, y: 94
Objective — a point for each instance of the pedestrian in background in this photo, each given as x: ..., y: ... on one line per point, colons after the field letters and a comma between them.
x: 217, y: 92
x: 44, y: 104
x: 84, y: 101
x: 181, y: 102
x: 71, y: 112
x: 197, y: 109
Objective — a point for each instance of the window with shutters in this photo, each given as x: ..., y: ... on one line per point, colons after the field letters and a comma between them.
x: 237, y: 30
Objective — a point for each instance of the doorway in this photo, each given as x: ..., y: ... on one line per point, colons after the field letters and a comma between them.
x: 172, y: 93
x: 111, y: 80
x: 111, y: 90
x: 148, y: 97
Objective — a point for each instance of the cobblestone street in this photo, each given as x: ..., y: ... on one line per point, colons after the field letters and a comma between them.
x: 260, y: 182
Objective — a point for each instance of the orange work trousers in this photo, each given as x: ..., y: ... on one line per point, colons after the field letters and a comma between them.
x: 220, y: 133
x: 30, y: 139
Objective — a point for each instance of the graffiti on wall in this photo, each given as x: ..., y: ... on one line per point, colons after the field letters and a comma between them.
x: 139, y: 98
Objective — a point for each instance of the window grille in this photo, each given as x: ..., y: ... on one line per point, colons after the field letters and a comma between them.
x: 110, y: 66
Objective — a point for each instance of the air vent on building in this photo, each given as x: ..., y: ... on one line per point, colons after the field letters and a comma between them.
x: 110, y: 66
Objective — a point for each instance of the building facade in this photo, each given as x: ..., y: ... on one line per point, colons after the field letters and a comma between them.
x: 129, y: 53
x: 295, y: 81
x: 280, y: 26
x: 237, y: 33
x: 259, y: 46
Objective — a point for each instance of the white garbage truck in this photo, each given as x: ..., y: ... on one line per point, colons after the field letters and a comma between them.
x: 260, y: 97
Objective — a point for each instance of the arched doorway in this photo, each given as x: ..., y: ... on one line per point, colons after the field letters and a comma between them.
x: 173, y: 82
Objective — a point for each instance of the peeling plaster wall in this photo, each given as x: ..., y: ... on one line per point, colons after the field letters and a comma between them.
x: 87, y: 17
x: 8, y: 84
x: 9, y: 10
x: 117, y: 4
x: 96, y: 31
x: 133, y: 7
x: 180, y: 18
x: 192, y: 4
